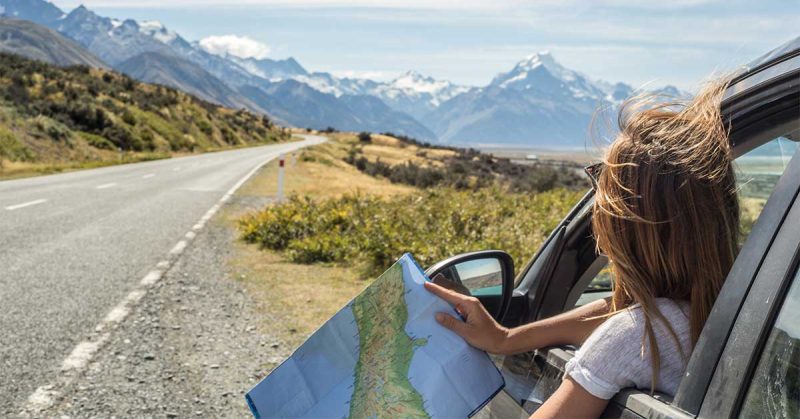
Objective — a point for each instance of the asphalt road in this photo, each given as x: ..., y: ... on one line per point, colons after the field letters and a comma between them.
x: 73, y: 245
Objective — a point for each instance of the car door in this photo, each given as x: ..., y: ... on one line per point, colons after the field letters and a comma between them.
x: 764, y: 112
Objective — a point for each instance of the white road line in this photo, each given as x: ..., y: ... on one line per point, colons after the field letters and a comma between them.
x: 26, y: 204
x: 106, y: 185
x: 176, y: 169
x: 148, y: 176
x: 44, y: 397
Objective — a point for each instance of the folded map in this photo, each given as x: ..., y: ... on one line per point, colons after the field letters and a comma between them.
x: 382, y: 355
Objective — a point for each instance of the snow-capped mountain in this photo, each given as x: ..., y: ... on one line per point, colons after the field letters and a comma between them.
x: 113, y: 41
x: 411, y: 92
x: 538, y: 102
x: 416, y: 94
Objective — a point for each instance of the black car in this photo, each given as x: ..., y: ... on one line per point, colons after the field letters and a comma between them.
x: 747, y: 360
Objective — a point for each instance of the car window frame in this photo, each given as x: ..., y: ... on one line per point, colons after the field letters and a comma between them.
x: 752, y: 324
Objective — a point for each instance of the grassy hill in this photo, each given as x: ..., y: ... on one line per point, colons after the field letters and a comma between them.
x: 58, y: 117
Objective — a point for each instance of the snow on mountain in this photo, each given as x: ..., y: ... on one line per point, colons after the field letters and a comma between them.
x: 270, y: 69
x: 539, y: 102
x: 541, y: 73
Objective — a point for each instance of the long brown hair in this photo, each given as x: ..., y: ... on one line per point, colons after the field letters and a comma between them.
x: 666, y: 211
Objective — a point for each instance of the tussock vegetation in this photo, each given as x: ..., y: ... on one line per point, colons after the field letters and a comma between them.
x: 434, y: 224
x: 469, y: 169
x: 78, y: 114
x: 435, y: 220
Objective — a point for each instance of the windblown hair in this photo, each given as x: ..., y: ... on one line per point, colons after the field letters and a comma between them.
x: 666, y: 211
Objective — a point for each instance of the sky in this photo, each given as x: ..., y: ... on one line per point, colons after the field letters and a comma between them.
x: 678, y: 42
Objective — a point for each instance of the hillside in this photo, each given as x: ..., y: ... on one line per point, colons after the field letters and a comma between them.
x: 51, y: 114
x: 37, y: 42
x: 169, y: 70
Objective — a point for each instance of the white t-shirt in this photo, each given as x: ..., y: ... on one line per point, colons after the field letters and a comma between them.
x: 612, y: 357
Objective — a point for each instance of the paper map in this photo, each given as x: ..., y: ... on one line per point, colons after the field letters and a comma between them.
x: 382, y: 355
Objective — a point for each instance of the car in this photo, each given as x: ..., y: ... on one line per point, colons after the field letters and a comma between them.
x: 747, y: 359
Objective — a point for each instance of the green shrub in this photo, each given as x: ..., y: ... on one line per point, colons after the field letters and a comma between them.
x: 97, y: 141
x: 364, y: 137
x: 437, y: 223
x: 11, y: 148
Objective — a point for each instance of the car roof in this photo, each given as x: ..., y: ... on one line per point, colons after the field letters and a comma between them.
x: 781, y: 53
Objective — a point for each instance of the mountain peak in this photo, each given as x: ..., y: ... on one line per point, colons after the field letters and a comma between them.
x: 82, y: 12
x: 542, y: 59
x: 415, y: 76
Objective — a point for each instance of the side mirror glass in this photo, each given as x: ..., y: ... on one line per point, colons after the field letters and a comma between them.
x: 487, y: 275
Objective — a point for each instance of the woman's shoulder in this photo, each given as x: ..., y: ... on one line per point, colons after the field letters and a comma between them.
x: 627, y: 327
x: 668, y: 307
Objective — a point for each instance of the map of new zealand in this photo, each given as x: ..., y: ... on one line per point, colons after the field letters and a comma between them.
x: 382, y: 355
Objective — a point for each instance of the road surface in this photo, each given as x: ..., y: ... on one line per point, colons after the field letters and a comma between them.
x: 73, y: 245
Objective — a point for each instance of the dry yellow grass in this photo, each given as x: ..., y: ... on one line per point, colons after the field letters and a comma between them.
x: 320, y: 173
x: 295, y: 299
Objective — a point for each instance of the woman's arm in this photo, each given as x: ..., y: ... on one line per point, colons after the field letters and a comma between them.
x: 483, y: 332
x: 571, y: 401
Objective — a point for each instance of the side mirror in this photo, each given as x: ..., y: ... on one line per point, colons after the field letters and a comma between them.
x: 487, y: 275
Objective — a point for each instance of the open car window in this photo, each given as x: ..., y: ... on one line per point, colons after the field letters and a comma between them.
x: 757, y: 173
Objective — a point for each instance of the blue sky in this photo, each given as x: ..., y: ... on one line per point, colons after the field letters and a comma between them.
x: 676, y: 42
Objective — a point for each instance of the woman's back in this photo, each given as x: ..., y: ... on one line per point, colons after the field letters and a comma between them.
x: 612, y: 358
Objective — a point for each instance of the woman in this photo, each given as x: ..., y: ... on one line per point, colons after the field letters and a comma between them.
x: 666, y: 215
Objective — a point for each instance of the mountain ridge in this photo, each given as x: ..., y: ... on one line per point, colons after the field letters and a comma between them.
x: 38, y: 42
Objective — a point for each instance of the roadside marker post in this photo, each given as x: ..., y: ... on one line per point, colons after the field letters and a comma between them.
x: 280, y: 178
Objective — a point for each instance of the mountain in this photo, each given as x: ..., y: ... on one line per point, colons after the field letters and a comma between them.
x: 184, y: 75
x: 111, y: 40
x: 37, y: 11
x: 416, y: 94
x: 375, y: 116
x: 271, y: 69
x: 537, y: 103
x: 301, y: 105
x: 37, y: 42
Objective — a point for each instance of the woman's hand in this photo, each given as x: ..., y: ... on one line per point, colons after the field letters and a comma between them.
x: 479, y: 329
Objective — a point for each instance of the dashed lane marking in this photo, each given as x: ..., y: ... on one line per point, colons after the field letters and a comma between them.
x: 148, y: 176
x: 106, y: 185
x: 44, y: 397
x: 26, y: 204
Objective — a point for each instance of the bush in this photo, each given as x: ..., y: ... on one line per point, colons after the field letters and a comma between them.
x: 364, y: 137
x: 437, y: 223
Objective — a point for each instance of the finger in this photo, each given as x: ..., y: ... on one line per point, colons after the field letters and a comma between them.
x: 452, y: 323
x: 451, y: 297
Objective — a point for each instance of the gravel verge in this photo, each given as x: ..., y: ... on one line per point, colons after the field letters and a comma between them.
x: 192, y: 348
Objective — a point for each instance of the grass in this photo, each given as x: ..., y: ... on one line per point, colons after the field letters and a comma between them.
x: 319, y: 172
x: 294, y: 299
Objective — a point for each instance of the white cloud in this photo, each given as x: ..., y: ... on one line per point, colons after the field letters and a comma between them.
x: 239, y: 46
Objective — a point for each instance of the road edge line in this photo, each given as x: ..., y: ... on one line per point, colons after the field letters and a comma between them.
x: 75, y: 364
